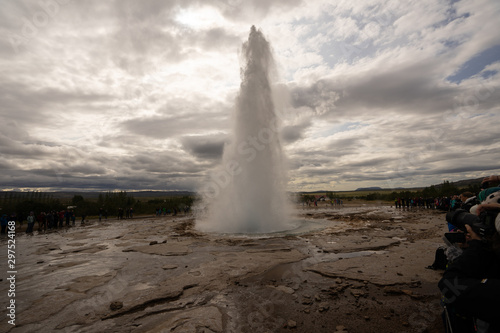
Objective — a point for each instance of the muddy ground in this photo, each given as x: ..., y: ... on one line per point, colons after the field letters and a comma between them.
x: 358, y: 269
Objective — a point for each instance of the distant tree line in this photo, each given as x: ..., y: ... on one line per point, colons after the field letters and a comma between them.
x: 24, y: 202
x: 446, y: 189
x: 21, y: 203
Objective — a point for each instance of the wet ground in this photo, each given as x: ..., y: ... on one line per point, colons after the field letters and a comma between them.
x: 351, y: 269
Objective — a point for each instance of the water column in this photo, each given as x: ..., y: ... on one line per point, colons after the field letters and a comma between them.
x: 250, y: 196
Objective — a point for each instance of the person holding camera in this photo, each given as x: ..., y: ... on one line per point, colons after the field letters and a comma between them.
x: 471, y: 283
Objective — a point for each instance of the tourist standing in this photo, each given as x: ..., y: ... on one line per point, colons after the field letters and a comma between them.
x: 3, y: 222
x: 31, y: 223
x: 61, y: 219
x: 67, y: 215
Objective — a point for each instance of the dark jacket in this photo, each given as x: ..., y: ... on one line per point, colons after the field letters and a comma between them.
x: 471, y: 284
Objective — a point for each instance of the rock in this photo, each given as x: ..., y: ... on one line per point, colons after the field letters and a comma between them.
x: 317, y: 298
x: 202, y: 319
x: 392, y: 291
x: 324, y: 306
x: 357, y: 292
x: 291, y: 324
x: 407, y: 292
x: 415, y: 284
x: 340, y: 329
x: 285, y: 289
x: 338, y: 281
x: 116, y: 305
x: 153, y: 243
x: 167, y: 267
x: 307, y: 311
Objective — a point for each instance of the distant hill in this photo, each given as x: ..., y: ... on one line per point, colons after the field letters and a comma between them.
x: 459, y: 184
x: 375, y: 188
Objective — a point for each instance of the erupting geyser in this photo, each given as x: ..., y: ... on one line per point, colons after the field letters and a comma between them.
x: 247, y: 194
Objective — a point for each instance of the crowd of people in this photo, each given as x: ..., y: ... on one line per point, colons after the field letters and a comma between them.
x: 129, y: 213
x: 46, y: 220
x: 442, y: 203
x: 313, y: 201
x: 471, y: 281
x: 53, y: 219
x: 419, y: 202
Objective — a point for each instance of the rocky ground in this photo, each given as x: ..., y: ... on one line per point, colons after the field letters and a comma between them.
x: 359, y: 269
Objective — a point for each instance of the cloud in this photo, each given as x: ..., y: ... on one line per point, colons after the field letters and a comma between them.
x: 292, y: 133
x: 140, y: 95
x: 165, y: 126
x: 205, y: 146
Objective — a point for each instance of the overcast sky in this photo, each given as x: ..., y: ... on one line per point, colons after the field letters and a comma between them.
x: 137, y: 95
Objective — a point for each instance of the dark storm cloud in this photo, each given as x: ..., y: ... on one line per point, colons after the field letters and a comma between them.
x: 167, y: 126
x: 465, y: 168
x: 161, y: 162
x: 25, y: 106
x: 11, y: 148
x: 293, y: 133
x: 75, y: 169
x: 205, y: 146
x: 408, y: 88
x: 342, y: 147
x: 134, y: 173
x: 371, y: 162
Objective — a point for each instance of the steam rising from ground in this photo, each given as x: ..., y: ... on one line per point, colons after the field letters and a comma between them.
x: 247, y: 194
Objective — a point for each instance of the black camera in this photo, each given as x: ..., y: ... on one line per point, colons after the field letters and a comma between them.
x: 483, y: 225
